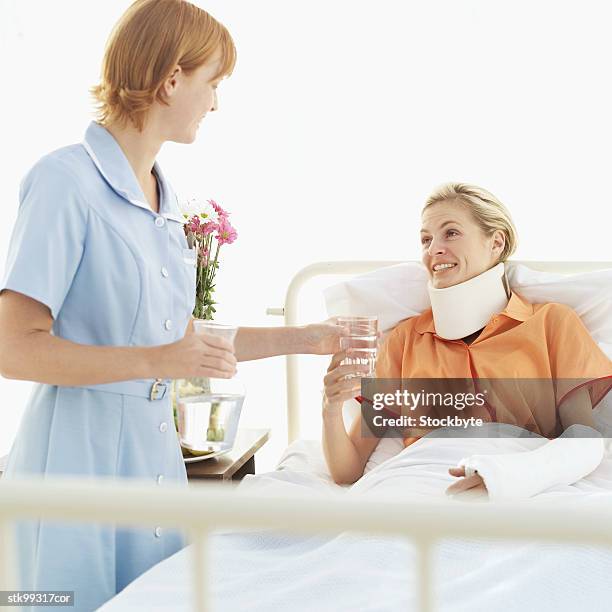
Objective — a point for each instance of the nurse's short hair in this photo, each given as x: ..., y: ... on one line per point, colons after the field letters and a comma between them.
x: 151, y: 37
x: 488, y: 212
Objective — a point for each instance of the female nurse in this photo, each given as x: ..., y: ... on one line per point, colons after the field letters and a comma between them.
x: 96, y: 300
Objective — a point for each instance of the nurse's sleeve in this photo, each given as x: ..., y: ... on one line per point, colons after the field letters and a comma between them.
x: 48, y: 238
x: 575, y: 359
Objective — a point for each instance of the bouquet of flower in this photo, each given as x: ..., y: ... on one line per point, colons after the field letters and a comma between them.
x: 207, y: 228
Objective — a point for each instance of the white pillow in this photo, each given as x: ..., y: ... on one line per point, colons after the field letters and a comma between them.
x: 395, y: 293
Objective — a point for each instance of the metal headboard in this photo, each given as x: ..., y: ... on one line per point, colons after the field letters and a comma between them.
x: 326, y: 268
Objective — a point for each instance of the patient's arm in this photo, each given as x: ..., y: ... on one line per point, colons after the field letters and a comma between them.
x: 562, y: 461
x: 346, y: 455
x: 577, y: 409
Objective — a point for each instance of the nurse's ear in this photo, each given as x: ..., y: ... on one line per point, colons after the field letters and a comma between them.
x: 171, y: 84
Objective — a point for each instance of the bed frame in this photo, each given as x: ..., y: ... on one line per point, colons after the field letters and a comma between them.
x: 142, y: 504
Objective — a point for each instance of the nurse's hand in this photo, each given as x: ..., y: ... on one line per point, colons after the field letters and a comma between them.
x: 322, y: 338
x: 197, y: 355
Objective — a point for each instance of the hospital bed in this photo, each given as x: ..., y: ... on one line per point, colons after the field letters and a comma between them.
x: 423, y: 539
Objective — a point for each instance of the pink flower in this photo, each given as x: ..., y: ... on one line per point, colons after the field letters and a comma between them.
x: 208, y: 228
x: 193, y: 224
x: 226, y: 233
x: 222, y: 213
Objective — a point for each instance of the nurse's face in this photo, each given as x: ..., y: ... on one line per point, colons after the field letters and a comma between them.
x: 191, y: 97
x: 449, y: 235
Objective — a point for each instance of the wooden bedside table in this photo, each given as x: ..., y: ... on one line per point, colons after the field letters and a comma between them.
x: 235, y: 464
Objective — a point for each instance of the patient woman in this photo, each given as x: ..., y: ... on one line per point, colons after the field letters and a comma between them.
x: 478, y: 329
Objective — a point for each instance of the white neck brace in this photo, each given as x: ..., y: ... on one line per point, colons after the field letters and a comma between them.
x: 463, y: 309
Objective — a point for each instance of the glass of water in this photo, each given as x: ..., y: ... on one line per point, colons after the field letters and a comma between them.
x: 202, y: 326
x: 208, y: 409
x: 359, y: 339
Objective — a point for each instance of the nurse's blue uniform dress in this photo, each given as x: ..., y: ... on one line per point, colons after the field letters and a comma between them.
x: 114, y: 273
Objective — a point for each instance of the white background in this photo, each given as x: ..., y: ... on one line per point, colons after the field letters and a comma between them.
x: 340, y: 117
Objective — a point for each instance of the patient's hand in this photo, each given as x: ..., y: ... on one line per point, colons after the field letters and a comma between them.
x: 472, y: 486
x: 342, y: 382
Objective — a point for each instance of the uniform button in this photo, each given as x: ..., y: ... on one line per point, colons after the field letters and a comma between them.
x: 160, y: 477
x: 164, y: 272
x: 160, y: 221
x: 168, y: 324
x: 158, y: 532
x: 163, y: 427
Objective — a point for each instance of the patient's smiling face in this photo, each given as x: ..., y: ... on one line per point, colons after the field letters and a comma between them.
x: 450, y: 235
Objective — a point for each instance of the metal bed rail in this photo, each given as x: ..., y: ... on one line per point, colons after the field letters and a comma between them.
x: 200, y: 509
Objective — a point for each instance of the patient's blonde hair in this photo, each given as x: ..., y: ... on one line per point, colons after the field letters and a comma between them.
x: 151, y: 37
x: 488, y: 212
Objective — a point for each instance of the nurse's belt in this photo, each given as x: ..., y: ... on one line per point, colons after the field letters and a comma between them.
x: 152, y: 389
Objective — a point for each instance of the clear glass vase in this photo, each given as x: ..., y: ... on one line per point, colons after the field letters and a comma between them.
x: 207, y: 410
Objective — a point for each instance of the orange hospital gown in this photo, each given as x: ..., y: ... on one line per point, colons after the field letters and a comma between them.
x: 525, y: 341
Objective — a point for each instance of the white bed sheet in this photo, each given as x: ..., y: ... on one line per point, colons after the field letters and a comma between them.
x: 269, y: 571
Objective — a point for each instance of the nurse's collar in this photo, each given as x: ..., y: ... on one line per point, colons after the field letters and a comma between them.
x: 116, y: 170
